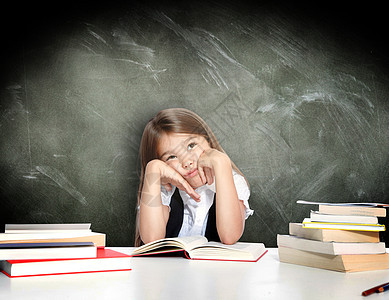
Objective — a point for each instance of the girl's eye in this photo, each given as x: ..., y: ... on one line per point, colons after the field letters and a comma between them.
x: 191, y: 146
x: 171, y: 157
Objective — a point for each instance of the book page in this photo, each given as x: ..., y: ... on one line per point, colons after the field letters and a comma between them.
x: 240, y: 250
x: 243, y: 247
x: 239, y: 246
x: 185, y: 243
x: 190, y: 242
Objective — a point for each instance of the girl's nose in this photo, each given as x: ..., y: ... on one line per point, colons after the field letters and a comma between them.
x: 187, y: 164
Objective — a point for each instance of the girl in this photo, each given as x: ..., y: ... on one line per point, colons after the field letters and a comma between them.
x: 188, y: 186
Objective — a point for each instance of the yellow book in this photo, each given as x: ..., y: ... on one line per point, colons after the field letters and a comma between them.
x: 307, y: 223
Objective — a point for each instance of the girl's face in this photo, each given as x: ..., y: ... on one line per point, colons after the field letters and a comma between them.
x: 181, y: 151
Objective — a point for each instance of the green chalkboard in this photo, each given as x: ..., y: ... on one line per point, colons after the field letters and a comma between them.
x: 297, y: 98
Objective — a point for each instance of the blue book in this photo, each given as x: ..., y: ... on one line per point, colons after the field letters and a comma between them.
x: 56, y: 250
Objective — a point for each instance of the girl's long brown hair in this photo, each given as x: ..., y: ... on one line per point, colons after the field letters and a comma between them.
x: 172, y: 120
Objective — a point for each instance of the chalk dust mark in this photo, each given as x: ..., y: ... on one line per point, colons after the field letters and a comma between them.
x: 312, y: 188
x: 261, y: 219
x: 59, y: 178
x: 215, y: 57
x: 29, y: 177
x: 118, y: 45
x: 27, y: 113
x: 274, y: 137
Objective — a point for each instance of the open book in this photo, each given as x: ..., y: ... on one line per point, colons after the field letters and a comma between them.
x: 198, y: 247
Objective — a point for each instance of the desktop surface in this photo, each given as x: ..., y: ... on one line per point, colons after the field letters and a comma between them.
x: 180, y: 278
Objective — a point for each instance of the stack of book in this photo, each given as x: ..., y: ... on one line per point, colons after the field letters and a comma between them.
x: 341, y: 237
x: 53, y: 249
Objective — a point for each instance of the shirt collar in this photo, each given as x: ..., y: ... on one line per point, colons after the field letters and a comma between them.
x: 206, y: 187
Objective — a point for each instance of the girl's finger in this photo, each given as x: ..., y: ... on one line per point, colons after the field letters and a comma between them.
x: 167, y: 186
x: 209, y: 176
x: 202, y: 175
x: 182, y: 184
x: 189, y: 190
x: 194, y: 196
x: 176, y: 179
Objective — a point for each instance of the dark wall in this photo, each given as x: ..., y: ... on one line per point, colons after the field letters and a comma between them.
x: 296, y: 95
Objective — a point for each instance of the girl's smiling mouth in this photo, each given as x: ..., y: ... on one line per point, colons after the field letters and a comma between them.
x: 191, y: 173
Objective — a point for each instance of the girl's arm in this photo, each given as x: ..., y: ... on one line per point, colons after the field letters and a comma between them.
x: 153, y: 215
x: 230, y: 211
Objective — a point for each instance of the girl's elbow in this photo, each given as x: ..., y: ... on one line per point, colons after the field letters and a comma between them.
x: 230, y: 235
x: 230, y: 239
x: 151, y: 237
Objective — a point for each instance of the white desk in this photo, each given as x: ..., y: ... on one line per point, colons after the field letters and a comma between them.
x: 179, y: 278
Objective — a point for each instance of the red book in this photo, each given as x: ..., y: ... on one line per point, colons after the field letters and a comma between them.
x: 106, y: 261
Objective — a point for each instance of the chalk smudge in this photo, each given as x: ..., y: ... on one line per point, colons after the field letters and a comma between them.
x: 119, y: 46
x: 312, y: 188
x: 216, y: 60
x: 60, y: 179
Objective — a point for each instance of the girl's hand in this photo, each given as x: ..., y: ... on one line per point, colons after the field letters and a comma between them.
x: 169, y: 176
x: 208, y: 161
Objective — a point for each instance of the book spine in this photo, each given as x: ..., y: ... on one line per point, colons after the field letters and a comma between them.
x: 342, y: 226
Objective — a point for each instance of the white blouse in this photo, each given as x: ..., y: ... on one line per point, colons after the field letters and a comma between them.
x: 196, y: 213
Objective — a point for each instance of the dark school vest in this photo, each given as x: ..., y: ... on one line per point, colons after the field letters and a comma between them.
x: 176, y: 218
